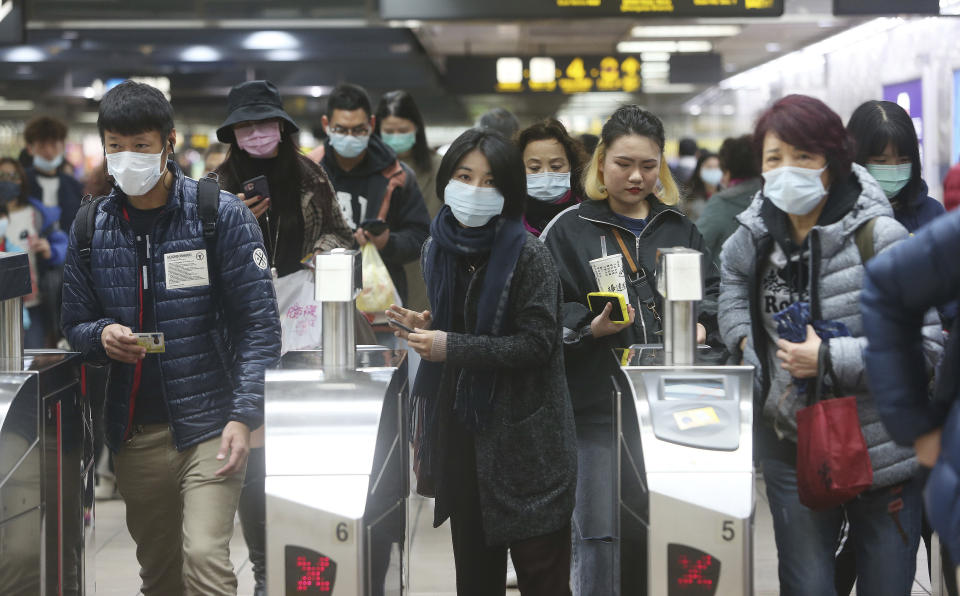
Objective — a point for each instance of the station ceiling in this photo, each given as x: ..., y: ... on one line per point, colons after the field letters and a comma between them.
x: 204, y: 47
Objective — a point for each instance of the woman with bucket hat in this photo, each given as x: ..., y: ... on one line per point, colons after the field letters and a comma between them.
x: 296, y: 207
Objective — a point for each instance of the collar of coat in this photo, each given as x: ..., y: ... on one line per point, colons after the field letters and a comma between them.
x: 599, y: 210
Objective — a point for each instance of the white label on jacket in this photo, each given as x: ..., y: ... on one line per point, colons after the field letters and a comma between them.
x: 186, y: 269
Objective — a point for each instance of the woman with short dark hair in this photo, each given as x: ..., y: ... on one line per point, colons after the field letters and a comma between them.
x: 553, y: 160
x: 495, y: 428
x: 799, y: 245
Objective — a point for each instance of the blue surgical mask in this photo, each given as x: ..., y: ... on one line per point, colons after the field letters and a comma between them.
x: 400, y: 142
x: 47, y: 165
x: 793, y: 189
x: 473, y: 206
x: 9, y: 191
x: 349, y: 146
x: 892, y: 179
x: 548, y: 186
x: 711, y: 176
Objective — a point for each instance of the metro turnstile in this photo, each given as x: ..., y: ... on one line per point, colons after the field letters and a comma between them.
x: 337, y: 475
x: 687, y: 443
x: 46, y: 460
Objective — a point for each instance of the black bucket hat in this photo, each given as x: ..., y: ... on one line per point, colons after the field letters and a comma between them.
x: 253, y: 100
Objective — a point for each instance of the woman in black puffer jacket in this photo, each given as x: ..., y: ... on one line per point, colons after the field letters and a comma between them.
x: 633, y: 206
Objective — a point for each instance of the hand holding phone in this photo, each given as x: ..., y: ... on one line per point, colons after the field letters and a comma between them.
x: 400, y: 325
x: 374, y: 227
x: 257, y: 187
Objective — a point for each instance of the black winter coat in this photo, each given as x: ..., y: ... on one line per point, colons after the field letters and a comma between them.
x: 526, y: 457
x: 574, y: 240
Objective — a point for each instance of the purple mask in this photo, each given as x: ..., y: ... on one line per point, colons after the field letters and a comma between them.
x: 259, y: 140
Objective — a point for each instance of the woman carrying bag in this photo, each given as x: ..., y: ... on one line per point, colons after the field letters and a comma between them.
x: 494, y: 423
x: 801, y: 244
x: 296, y: 208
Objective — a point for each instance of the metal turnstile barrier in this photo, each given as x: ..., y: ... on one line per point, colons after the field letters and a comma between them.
x: 337, y: 463
x: 46, y: 458
x: 686, y: 479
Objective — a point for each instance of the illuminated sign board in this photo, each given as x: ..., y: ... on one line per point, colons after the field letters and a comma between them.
x: 548, y: 9
x: 308, y: 572
x: 691, y: 572
x: 879, y: 7
x: 543, y: 74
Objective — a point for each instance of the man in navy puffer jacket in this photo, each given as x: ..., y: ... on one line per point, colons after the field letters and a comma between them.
x: 178, y: 422
x: 900, y: 285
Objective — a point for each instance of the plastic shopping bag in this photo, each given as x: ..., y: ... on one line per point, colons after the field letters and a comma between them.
x: 378, y: 290
x: 299, y: 312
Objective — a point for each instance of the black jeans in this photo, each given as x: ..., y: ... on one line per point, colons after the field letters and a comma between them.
x: 542, y: 562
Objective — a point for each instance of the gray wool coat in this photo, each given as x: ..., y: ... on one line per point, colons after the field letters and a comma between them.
x: 527, y: 456
x: 839, y: 275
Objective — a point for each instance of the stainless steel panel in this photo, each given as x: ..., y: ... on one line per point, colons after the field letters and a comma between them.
x: 337, y: 474
x: 701, y: 499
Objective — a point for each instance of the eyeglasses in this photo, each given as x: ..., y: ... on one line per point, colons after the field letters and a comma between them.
x: 9, y: 177
x: 356, y: 131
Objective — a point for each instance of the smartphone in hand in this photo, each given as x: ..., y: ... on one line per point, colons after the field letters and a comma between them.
x: 256, y: 187
x: 374, y: 227
x: 400, y: 325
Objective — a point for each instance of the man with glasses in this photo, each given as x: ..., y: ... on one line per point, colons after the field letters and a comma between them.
x: 372, y: 185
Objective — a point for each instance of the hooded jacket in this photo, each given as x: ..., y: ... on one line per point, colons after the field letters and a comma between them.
x: 921, y: 211
x: 834, y: 278
x: 893, y: 310
x: 573, y: 238
x: 220, y: 337
x: 377, y: 181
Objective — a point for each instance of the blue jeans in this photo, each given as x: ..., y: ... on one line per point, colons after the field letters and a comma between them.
x: 595, y: 564
x: 807, y: 541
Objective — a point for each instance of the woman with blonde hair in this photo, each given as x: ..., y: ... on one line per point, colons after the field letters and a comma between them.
x: 632, y: 214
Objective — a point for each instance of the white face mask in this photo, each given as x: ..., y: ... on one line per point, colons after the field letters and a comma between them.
x: 548, y: 186
x: 711, y: 176
x: 473, y: 206
x: 793, y: 189
x: 136, y: 173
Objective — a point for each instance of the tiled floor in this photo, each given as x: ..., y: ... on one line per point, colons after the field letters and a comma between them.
x: 432, y: 559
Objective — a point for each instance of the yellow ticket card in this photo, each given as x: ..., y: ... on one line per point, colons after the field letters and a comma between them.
x: 688, y: 419
x: 153, y: 342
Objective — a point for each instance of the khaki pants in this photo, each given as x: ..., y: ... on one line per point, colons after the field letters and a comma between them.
x: 179, y: 513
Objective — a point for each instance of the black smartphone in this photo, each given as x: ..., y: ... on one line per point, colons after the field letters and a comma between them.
x: 400, y: 325
x: 597, y: 301
x: 375, y: 227
x: 256, y: 187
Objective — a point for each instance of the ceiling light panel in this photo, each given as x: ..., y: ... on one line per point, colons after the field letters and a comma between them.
x: 677, y: 32
x: 271, y: 40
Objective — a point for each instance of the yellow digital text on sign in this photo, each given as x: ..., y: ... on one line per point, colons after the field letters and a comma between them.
x: 646, y: 5
x: 758, y: 4
x: 566, y: 3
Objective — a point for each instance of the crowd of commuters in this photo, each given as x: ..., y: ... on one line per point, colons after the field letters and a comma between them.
x: 489, y: 249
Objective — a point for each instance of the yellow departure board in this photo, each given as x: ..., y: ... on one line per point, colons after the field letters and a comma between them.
x: 546, y: 9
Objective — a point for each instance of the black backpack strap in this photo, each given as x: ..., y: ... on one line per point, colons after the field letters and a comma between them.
x: 84, y: 225
x: 208, y: 204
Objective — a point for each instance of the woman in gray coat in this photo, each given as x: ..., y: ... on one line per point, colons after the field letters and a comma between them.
x: 798, y: 242
x: 494, y: 424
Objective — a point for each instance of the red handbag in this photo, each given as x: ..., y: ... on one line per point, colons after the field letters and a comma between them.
x: 833, y: 465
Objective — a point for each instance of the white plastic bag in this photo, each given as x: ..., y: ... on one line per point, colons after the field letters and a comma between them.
x: 299, y: 312
x: 378, y: 290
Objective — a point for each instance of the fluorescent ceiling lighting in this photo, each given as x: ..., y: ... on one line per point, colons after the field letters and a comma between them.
x: 655, y: 57
x: 284, y: 55
x: 200, y: 54
x: 316, y: 91
x: 25, y: 54
x: 651, y: 67
x: 669, y: 88
x: 271, y: 40
x: 639, y: 47
x: 686, y: 31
